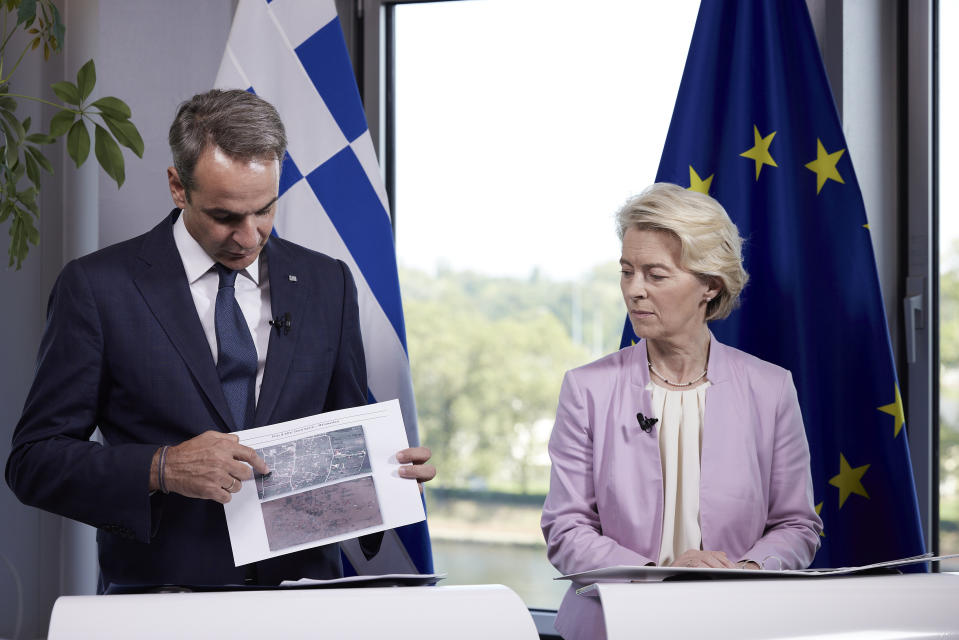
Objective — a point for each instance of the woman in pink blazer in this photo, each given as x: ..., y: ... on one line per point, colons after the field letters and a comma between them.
x: 678, y: 450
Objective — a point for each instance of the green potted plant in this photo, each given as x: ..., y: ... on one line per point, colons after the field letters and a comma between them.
x: 21, y: 159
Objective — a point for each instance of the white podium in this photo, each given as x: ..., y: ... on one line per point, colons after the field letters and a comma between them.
x: 467, y: 612
x: 887, y: 607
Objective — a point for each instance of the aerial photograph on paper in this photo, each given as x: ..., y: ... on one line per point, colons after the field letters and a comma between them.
x: 321, y: 513
x: 313, y: 461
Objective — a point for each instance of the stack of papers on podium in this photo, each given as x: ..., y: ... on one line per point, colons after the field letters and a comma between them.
x: 386, y: 580
x: 659, y: 574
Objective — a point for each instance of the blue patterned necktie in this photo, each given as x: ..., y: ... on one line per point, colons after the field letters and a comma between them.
x: 236, y: 361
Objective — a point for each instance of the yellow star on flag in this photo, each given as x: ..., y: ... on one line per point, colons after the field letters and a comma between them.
x: 849, y: 480
x: 824, y: 166
x: 697, y: 184
x: 760, y: 150
x: 896, y: 411
x: 822, y: 533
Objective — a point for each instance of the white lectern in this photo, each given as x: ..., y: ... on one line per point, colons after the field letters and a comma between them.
x: 480, y: 612
x: 886, y: 607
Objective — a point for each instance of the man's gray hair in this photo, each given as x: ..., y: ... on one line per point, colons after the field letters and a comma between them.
x: 240, y: 123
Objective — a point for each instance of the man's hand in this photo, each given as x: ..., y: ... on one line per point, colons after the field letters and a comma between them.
x: 419, y: 469
x: 209, y: 466
x: 699, y: 558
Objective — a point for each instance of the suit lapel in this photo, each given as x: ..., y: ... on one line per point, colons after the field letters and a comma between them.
x: 641, y: 402
x: 162, y: 282
x: 639, y: 377
x: 722, y: 447
x: 288, y: 291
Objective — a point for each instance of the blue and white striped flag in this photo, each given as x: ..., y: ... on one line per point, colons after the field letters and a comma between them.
x: 293, y: 54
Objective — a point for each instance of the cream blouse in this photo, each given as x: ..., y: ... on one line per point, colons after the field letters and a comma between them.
x: 680, y: 429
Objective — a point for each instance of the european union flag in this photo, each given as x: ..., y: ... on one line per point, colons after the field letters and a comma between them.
x: 755, y: 126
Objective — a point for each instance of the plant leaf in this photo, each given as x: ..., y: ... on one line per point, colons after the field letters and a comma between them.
x: 21, y: 230
x: 32, y: 234
x: 12, y: 155
x: 86, y: 79
x: 18, y: 169
x: 40, y: 158
x: 9, y: 150
x: 8, y: 103
x: 26, y: 124
x: 15, y: 127
x: 57, y: 28
x: 40, y: 138
x: 60, y: 123
x: 27, y: 11
x: 109, y: 155
x: 113, y: 107
x: 35, y: 210
x: 28, y: 196
x: 33, y: 170
x: 126, y: 134
x: 65, y: 90
x: 78, y: 142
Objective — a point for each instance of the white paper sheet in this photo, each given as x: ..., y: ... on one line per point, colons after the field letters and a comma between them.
x: 333, y: 476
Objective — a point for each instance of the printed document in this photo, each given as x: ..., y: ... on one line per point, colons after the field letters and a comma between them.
x: 333, y: 476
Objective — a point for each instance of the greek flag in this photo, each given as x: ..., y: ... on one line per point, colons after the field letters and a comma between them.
x: 293, y: 54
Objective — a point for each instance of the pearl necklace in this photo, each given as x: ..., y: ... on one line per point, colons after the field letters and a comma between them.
x: 675, y: 384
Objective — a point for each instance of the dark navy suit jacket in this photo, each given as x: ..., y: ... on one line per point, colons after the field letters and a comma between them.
x: 124, y: 351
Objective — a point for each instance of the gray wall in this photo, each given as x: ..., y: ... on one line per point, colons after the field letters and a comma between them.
x: 154, y: 55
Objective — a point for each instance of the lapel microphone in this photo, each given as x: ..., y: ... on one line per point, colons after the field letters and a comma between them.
x: 646, y: 424
x: 282, y: 323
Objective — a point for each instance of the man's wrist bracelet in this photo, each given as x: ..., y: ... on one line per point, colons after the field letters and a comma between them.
x: 161, y: 466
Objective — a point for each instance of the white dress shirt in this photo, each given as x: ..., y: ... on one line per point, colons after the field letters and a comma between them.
x: 252, y: 292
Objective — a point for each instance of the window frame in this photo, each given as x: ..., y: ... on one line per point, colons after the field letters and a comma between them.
x: 369, y: 29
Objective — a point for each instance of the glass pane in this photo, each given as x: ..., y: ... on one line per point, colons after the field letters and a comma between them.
x: 948, y: 287
x: 521, y: 126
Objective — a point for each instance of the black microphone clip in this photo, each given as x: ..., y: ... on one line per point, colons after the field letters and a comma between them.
x: 282, y: 323
x: 646, y: 424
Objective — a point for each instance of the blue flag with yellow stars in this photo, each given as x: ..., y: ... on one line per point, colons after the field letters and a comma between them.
x: 755, y: 126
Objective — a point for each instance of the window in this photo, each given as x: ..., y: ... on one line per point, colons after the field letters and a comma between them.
x: 948, y: 161
x: 520, y: 127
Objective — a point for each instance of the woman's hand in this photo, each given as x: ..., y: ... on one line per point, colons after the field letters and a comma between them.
x: 700, y: 558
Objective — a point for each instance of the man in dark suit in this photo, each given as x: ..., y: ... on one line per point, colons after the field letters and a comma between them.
x: 164, y: 342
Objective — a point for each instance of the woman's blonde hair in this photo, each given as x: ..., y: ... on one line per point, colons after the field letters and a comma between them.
x: 711, y: 246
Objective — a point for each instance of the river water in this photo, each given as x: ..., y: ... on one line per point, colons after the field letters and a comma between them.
x: 523, y: 568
